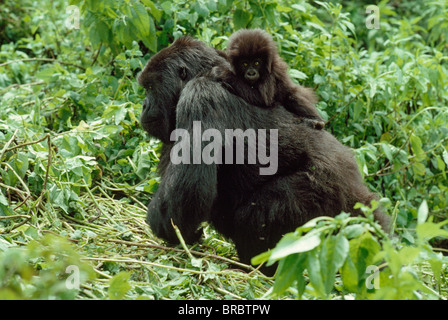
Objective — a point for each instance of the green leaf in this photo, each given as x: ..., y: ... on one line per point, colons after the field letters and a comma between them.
x: 3, y: 243
x: 429, y: 230
x: 99, y: 32
x: 196, y: 262
x: 156, y: 13
x: 152, y: 40
x: 318, y: 79
x: 353, y: 231
x: 212, y: 5
x: 140, y: 18
x: 445, y: 156
x: 57, y: 197
x: 291, y: 243
x: 436, y: 262
x: 46, y: 74
x: 298, y: 7
x: 296, y: 74
x: 315, y: 273
x: 349, y: 25
x: 269, y: 13
x: 144, y: 25
x: 334, y: 251
x: 168, y: 7
x: 241, y: 19
x: 362, y: 253
x: 440, y: 164
x: 3, y: 199
x: 260, y: 258
x: 349, y: 275
x: 193, y: 18
x: 408, y: 254
x: 119, y: 286
x: 419, y: 169
x: 341, y: 250
x: 118, y: 112
x: 416, y: 146
x: 289, y: 269
x: 387, y: 151
x: 422, y: 214
x: 201, y: 9
x: 283, y: 9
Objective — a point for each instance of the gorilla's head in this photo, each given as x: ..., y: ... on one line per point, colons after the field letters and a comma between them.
x: 164, y: 77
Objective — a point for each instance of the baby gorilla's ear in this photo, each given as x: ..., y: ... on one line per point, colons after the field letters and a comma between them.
x: 183, y: 72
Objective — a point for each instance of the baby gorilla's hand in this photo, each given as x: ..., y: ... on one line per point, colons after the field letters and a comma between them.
x: 313, y: 123
x: 223, y: 76
x: 217, y: 74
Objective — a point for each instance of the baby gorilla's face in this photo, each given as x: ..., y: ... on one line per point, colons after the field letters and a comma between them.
x: 251, y: 69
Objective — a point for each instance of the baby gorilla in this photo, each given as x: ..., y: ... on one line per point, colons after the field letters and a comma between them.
x: 260, y: 76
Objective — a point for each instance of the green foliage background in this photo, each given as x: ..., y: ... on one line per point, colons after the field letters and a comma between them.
x: 77, y: 171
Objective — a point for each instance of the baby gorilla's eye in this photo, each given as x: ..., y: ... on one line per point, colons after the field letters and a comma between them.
x: 245, y: 64
x: 257, y: 63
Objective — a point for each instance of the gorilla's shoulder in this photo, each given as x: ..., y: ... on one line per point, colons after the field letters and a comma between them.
x: 203, y: 85
x: 203, y: 90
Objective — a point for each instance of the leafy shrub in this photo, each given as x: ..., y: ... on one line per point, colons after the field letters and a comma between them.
x: 49, y: 268
x: 369, y: 265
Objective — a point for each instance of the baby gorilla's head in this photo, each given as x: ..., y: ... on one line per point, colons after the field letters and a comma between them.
x: 252, y: 53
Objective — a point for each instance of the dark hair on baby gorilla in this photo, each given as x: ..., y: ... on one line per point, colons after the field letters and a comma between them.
x: 316, y: 174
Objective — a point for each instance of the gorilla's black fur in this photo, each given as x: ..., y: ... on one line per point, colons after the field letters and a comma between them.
x: 316, y: 174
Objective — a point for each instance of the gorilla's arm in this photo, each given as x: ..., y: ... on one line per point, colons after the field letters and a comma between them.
x: 188, y: 191
x: 184, y: 200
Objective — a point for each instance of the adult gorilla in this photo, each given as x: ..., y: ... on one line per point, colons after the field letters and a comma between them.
x: 316, y: 174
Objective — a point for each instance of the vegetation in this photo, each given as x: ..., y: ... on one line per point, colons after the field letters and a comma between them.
x: 77, y: 170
